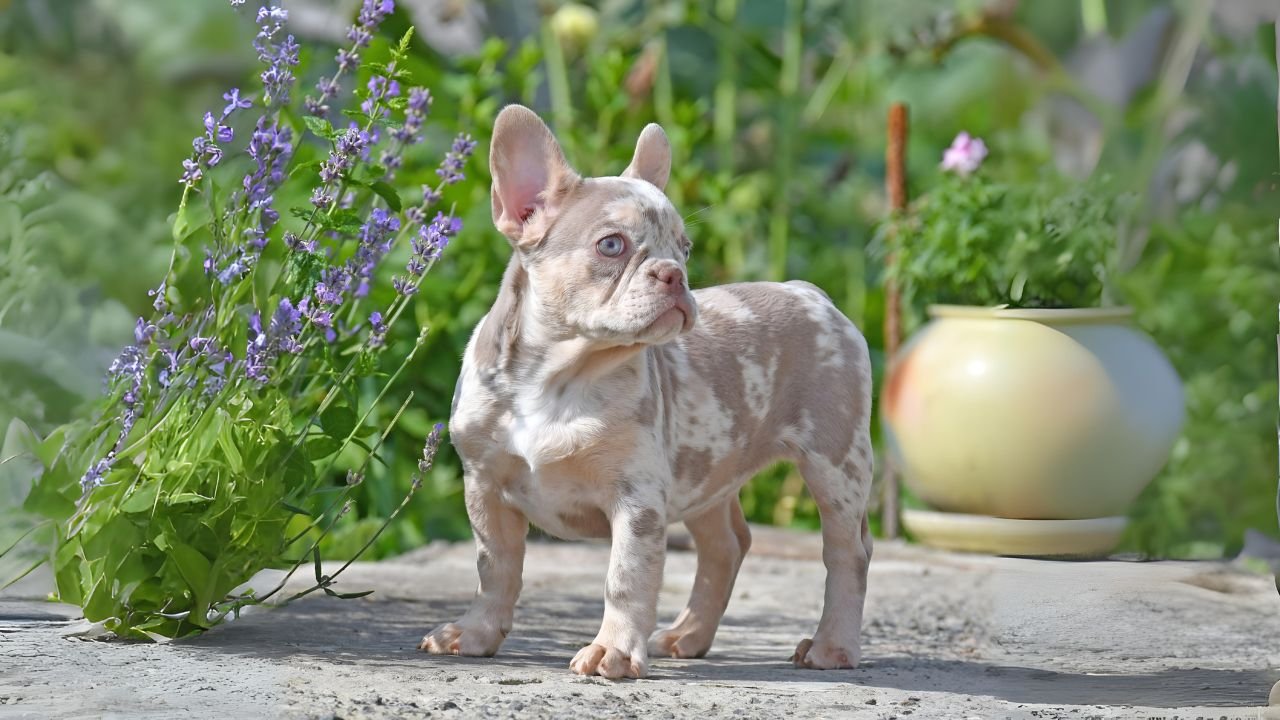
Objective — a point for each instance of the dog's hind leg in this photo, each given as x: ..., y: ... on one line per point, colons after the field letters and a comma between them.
x: 840, y: 492
x: 721, y: 538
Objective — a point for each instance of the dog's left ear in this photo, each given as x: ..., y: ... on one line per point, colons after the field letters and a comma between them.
x: 652, y: 159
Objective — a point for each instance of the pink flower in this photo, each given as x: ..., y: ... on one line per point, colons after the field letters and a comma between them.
x: 965, y: 154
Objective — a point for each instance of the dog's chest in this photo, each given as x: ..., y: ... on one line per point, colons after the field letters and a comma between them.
x: 547, y: 427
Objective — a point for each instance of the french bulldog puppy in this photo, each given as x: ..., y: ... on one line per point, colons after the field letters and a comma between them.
x: 600, y: 397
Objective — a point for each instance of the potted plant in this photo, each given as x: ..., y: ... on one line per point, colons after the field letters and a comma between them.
x: 1027, y: 413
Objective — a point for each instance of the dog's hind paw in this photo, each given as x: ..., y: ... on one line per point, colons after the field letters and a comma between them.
x: 680, y: 642
x: 824, y: 656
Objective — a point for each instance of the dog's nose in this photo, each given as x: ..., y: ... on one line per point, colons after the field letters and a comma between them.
x: 669, y: 274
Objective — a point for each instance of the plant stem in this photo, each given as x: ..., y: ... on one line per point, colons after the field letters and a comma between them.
x: 422, y: 336
x: 557, y: 83
x: 820, y: 99
x: 346, y: 491
x: 663, y: 95
x: 726, y: 111
x: 788, y: 84
x: 1006, y: 31
x: 413, y: 488
x: 1093, y: 16
x: 1173, y: 78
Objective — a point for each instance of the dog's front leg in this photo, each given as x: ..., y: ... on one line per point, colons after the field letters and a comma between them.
x: 630, y: 596
x: 500, y: 531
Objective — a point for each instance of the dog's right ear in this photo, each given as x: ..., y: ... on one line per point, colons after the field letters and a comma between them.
x: 530, y: 175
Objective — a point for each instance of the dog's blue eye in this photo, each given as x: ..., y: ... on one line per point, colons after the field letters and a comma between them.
x: 611, y: 246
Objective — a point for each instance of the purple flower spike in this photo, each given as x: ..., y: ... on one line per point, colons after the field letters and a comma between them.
x: 404, y: 286
x: 280, y: 56
x: 191, y: 173
x: 420, y: 100
x: 93, y: 476
x: 430, y: 447
x: 377, y: 330
x: 281, y: 336
x: 160, y: 304
x: 451, y: 169
x: 415, y: 114
x: 372, y: 13
x: 427, y: 247
x: 347, y: 59
x: 234, y: 102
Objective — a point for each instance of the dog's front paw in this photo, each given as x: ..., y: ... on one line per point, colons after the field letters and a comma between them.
x: 822, y: 655
x: 463, y: 638
x: 610, y: 662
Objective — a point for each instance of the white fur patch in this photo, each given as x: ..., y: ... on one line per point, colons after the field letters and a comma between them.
x: 727, y: 303
x: 758, y: 382
x: 544, y: 431
x: 650, y: 194
x: 711, y: 429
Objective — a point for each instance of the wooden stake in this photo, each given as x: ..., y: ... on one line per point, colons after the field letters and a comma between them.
x: 895, y: 180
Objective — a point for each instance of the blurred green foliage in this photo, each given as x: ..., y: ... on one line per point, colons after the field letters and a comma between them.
x: 978, y: 241
x: 775, y: 112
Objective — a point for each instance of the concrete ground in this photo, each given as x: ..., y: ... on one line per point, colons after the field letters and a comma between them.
x: 946, y: 636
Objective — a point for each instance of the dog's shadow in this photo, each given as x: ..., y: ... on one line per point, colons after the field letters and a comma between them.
x: 385, y: 633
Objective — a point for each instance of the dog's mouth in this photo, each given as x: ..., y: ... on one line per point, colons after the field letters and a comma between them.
x: 682, y: 308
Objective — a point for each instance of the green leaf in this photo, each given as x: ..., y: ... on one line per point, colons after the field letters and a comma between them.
x: 403, y: 46
x: 298, y: 470
x: 142, y: 498
x: 49, y: 494
x: 322, y: 447
x: 319, y: 126
x: 118, y: 537
x: 184, y: 498
x: 100, y: 605
x: 307, y: 167
x: 30, y: 568
x: 190, y: 218
x: 338, y: 421
x: 234, y: 461
x: 48, y: 449
x: 196, y: 571
x: 67, y: 573
x: 315, y: 559
x: 347, y: 596
x: 388, y: 193
x: 19, y: 440
x: 347, y: 221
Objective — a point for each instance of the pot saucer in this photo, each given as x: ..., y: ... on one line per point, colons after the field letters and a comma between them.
x: 1066, y: 539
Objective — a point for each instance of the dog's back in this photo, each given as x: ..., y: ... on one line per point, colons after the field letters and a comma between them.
x: 778, y: 373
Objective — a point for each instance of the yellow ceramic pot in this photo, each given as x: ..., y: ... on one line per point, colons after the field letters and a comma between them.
x: 1031, y: 414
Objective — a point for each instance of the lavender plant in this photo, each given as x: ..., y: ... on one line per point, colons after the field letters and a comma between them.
x: 224, y: 421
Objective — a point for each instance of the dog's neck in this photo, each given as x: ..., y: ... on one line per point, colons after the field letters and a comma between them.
x: 512, y: 342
